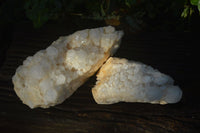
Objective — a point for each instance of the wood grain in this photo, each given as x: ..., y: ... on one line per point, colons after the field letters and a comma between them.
x: 171, y: 53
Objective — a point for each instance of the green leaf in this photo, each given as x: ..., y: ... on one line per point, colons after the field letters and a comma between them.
x: 191, y: 11
x: 102, y: 11
x: 127, y: 4
x: 194, y: 2
x: 199, y: 5
x: 40, y: 11
x: 185, y: 12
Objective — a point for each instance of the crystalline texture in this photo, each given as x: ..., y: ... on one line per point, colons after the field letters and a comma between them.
x: 129, y: 81
x: 53, y: 74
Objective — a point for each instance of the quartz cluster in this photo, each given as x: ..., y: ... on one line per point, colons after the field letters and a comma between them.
x: 129, y: 81
x: 52, y: 75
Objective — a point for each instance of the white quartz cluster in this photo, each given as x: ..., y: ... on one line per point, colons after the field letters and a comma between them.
x: 129, y: 81
x: 53, y: 74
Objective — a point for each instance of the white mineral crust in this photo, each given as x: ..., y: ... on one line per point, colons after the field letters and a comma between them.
x: 130, y: 81
x: 53, y: 74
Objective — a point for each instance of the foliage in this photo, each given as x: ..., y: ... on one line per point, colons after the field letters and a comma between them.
x: 40, y: 11
x: 135, y: 13
x: 196, y: 3
x: 189, y: 8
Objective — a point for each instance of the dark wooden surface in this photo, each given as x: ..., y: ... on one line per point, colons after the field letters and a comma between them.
x: 172, y: 53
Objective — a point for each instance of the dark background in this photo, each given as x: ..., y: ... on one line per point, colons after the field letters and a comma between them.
x: 155, y: 34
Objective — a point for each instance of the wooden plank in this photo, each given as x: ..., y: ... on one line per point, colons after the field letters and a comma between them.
x: 168, y: 52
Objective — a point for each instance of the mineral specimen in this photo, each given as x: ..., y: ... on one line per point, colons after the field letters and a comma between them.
x: 53, y: 74
x: 130, y: 81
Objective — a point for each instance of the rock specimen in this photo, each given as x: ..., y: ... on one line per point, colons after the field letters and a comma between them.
x: 129, y: 81
x: 53, y: 74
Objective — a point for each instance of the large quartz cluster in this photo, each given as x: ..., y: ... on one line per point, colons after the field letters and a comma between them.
x: 52, y: 75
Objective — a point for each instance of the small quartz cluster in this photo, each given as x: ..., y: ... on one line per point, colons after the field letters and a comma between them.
x: 52, y: 75
x: 130, y: 81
